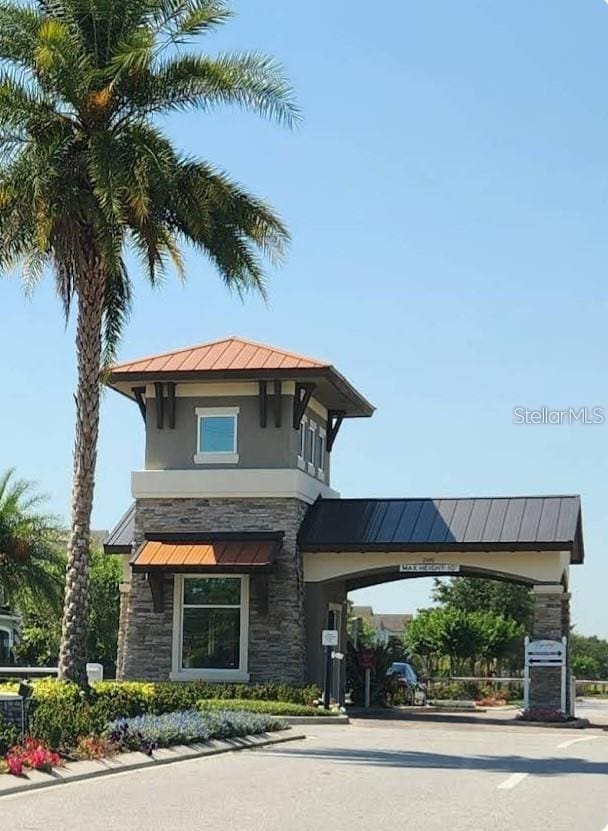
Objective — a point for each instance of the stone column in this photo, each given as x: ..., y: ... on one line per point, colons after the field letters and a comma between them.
x: 551, y: 622
x: 276, y: 616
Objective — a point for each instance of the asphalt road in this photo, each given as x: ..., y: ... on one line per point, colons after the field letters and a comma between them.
x: 385, y: 775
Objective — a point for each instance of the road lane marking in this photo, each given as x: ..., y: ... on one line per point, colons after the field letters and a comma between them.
x: 569, y: 743
x: 512, y: 781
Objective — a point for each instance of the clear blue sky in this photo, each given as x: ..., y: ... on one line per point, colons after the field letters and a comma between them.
x: 448, y: 200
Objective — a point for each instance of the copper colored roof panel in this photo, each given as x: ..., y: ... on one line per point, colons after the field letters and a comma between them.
x: 231, y: 354
x: 181, y: 555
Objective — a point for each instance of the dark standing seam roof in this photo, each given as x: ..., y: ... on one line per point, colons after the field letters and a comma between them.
x: 120, y: 538
x: 505, y: 523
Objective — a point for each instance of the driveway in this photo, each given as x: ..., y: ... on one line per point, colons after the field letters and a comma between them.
x: 371, y: 774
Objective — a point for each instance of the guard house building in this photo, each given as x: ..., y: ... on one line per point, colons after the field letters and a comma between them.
x: 238, y: 553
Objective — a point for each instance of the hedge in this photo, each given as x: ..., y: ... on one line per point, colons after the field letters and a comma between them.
x: 471, y: 691
x: 275, y: 708
x: 60, y: 712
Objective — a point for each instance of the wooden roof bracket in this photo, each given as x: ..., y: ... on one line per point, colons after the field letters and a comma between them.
x: 171, y: 403
x: 158, y: 390
x: 155, y: 581
x: 278, y: 402
x: 301, y: 401
x: 139, y: 395
x: 263, y: 399
x: 334, y: 422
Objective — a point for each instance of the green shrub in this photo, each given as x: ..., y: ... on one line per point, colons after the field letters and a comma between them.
x: 275, y: 708
x: 472, y: 691
x: 60, y: 712
x: 9, y: 736
x: 131, y: 698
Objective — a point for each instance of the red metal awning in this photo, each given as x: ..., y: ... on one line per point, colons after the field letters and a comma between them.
x: 206, y: 555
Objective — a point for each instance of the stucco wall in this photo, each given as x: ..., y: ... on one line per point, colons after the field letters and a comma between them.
x: 317, y: 597
x: 268, y: 447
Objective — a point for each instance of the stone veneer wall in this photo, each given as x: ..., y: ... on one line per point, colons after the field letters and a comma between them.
x: 551, y: 622
x: 276, y: 633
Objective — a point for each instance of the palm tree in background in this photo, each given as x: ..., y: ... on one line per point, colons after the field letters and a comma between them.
x: 32, y: 548
x: 86, y: 174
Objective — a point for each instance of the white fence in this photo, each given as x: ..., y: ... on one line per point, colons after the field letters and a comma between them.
x: 94, y: 672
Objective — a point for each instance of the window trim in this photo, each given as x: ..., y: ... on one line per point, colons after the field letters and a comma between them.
x: 310, y: 465
x: 223, y: 457
x: 322, y: 434
x: 302, y: 442
x: 178, y: 673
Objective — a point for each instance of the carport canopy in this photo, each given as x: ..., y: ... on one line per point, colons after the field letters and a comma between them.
x: 529, y: 540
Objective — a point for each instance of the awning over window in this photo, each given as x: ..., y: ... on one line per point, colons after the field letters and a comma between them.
x: 243, y: 554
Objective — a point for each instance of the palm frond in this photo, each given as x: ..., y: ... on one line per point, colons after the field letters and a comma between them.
x: 252, y: 81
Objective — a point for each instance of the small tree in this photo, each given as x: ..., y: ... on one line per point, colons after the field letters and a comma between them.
x: 31, y: 559
x: 476, y: 594
x: 104, y: 609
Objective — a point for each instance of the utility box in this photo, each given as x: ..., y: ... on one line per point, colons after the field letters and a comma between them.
x: 94, y: 672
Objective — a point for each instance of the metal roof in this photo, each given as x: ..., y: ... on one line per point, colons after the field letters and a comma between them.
x: 120, y: 538
x: 228, y: 354
x: 237, y: 358
x: 206, y: 555
x: 505, y: 523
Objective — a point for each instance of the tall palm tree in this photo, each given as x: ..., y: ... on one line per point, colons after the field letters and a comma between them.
x: 32, y: 558
x: 86, y: 173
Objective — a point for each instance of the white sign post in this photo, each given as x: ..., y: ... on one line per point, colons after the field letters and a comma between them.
x: 329, y: 637
x: 545, y: 653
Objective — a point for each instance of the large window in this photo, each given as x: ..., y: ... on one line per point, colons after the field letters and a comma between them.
x: 216, y: 439
x: 211, y: 626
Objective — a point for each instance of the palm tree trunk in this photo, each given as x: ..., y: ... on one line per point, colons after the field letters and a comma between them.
x: 90, y: 295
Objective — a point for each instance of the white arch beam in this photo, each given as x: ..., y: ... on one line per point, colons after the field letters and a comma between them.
x: 534, y: 567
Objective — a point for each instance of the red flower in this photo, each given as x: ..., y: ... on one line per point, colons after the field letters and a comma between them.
x: 15, y: 765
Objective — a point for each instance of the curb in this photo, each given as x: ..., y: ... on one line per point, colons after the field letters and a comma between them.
x: 575, y: 724
x: 316, y: 719
x: 81, y: 771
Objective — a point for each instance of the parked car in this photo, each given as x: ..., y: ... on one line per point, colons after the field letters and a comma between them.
x: 407, y: 680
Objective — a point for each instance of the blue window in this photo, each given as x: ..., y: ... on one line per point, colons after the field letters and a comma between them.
x: 217, y: 434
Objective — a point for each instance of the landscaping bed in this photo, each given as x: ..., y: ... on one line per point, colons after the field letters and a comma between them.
x: 112, y: 717
x: 275, y: 708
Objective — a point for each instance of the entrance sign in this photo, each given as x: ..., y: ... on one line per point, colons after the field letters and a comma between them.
x: 329, y: 637
x: 430, y: 568
x: 545, y: 654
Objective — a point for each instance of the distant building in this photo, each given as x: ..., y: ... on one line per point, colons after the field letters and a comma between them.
x: 9, y: 634
x: 385, y: 626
